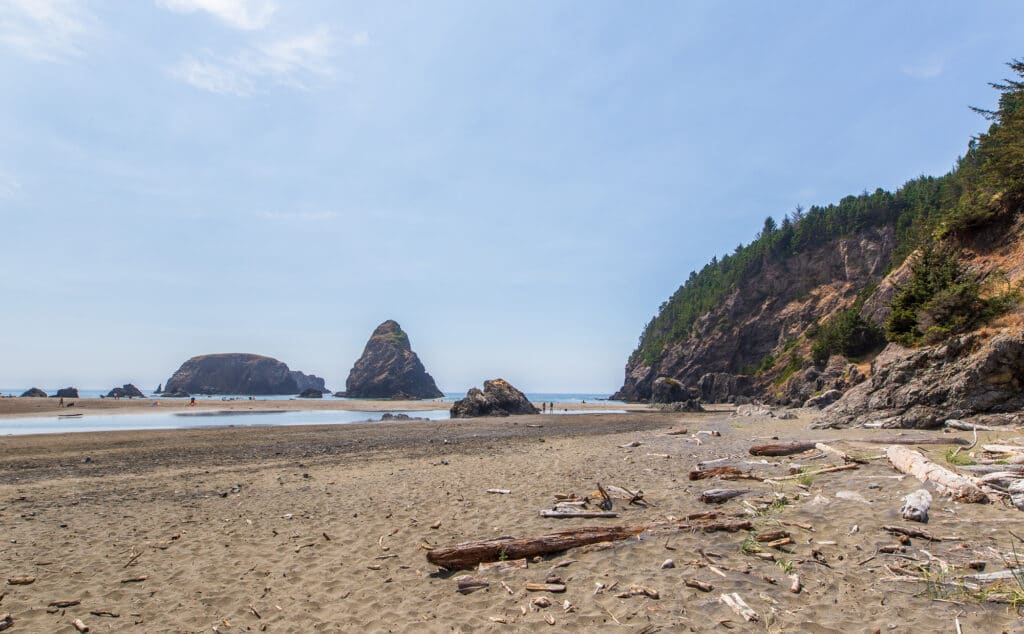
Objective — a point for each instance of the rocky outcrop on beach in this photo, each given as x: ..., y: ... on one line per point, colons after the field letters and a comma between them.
x: 670, y: 394
x: 126, y: 391
x: 239, y: 373
x: 34, y: 392
x: 756, y: 319
x: 67, y: 392
x: 388, y: 368
x: 498, y: 398
x: 311, y: 393
x: 966, y: 376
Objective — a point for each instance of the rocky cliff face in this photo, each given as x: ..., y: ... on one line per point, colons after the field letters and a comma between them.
x: 389, y: 368
x: 759, y: 317
x: 963, y: 377
x: 239, y: 373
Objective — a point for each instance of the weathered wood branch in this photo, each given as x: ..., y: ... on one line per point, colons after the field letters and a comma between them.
x: 469, y: 554
x: 781, y: 448
x: 958, y: 486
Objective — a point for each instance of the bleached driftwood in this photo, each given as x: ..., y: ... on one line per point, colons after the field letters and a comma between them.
x: 962, y: 426
x: 838, y: 453
x: 717, y: 496
x: 564, y: 512
x: 916, y: 505
x: 739, y: 606
x: 958, y: 486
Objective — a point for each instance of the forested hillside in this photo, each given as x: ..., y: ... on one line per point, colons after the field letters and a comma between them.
x: 920, y: 232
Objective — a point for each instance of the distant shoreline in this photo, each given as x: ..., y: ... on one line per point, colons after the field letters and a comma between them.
x: 22, y: 407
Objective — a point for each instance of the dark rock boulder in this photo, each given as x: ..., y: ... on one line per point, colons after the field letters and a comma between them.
x: 126, y: 391
x: 824, y: 399
x: 668, y: 390
x: 499, y: 398
x: 159, y: 389
x: 670, y: 395
x: 175, y: 394
x: 34, y: 393
x: 239, y: 373
x: 389, y: 368
x: 722, y: 387
x: 67, y: 392
x: 963, y: 377
x: 311, y: 393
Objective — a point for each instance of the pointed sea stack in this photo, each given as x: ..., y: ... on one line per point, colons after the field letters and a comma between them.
x: 389, y: 368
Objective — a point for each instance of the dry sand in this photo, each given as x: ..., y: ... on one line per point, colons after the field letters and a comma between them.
x: 323, y: 529
x: 11, y: 407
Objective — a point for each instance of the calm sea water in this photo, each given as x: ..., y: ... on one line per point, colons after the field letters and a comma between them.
x: 449, y: 397
x: 93, y: 421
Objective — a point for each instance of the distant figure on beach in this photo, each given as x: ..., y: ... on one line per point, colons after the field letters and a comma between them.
x: 61, y: 404
x: 192, y: 402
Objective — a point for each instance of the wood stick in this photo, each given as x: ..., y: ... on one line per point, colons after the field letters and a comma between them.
x: 726, y: 473
x: 6, y: 621
x: 842, y: 455
x: 958, y: 486
x: 739, y: 606
x: 795, y: 476
x: 795, y: 586
x: 468, y: 584
x: 781, y: 449
x: 545, y: 587
x: 20, y: 581
x: 64, y: 603
x: 562, y: 514
x: 80, y: 626
x: 907, y: 440
x: 699, y: 585
x: 912, y: 532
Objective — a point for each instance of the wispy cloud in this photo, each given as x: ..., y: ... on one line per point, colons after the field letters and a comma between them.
x: 45, y: 30
x: 9, y: 186
x: 298, y: 216
x: 297, y: 61
x: 247, y: 15
x: 927, y: 69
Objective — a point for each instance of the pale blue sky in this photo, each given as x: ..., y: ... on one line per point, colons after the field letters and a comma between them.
x: 520, y: 185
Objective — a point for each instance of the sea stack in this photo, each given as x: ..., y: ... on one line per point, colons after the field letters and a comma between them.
x: 33, y: 393
x: 389, y: 368
x: 499, y: 398
x: 239, y: 373
x: 126, y: 391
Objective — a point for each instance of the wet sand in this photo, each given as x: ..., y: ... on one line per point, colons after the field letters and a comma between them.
x: 310, y: 529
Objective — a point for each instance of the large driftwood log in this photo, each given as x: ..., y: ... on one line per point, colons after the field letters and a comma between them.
x: 916, y: 505
x: 962, y: 426
x: 958, y: 486
x: 911, y: 440
x: 717, y: 496
x: 469, y: 554
x: 781, y: 448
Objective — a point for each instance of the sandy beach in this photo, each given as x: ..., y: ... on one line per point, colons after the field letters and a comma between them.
x: 323, y: 529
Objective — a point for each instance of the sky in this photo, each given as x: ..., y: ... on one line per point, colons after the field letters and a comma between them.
x: 519, y: 184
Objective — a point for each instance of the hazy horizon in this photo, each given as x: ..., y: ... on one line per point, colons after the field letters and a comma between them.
x: 520, y: 186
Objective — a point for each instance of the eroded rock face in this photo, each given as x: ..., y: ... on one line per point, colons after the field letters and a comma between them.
x: 722, y: 387
x: 671, y: 395
x: 824, y: 399
x: 389, y: 368
x: 239, y: 373
x: 757, y: 318
x: 67, y: 392
x: 499, y: 398
x: 922, y: 388
x: 33, y: 393
x: 126, y: 391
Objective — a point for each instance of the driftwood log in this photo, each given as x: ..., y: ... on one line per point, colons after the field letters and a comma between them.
x: 781, y: 448
x: 469, y: 554
x: 962, y: 426
x: 717, y: 496
x: 910, y: 440
x: 726, y: 473
x: 958, y: 486
x: 916, y: 505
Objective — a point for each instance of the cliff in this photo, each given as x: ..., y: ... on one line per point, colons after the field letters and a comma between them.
x: 239, y: 373
x: 388, y: 368
x: 758, y: 319
x: 900, y: 308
